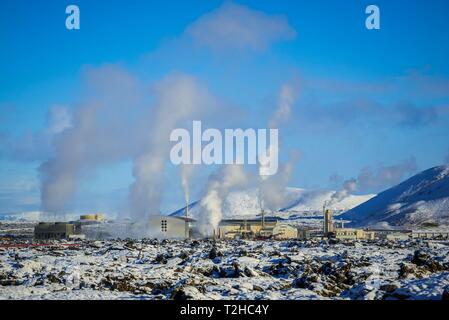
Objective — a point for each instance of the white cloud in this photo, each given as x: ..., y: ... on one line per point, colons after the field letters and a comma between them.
x: 59, y: 119
x: 234, y: 26
x: 386, y: 176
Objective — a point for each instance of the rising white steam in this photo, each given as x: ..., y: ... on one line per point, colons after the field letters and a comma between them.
x: 272, y: 188
x: 284, y: 108
x: 272, y: 195
x: 218, y: 187
x: 120, y: 119
x: 95, y: 136
x: 348, y: 187
x: 179, y: 98
x: 186, y: 171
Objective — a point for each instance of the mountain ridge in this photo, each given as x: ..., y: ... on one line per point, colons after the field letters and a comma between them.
x: 245, y: 203
x: 420, y: 201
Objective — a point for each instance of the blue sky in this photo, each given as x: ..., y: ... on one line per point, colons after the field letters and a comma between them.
x: 371, y: 104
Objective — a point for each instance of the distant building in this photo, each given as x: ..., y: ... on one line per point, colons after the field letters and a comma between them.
x: 429, y: 235
x: 304, y: 234
x: 353, y: 234
x: 162, y: 226
x: 387, y: 234
x: 269, y: 227
x: 396, y: 236
x: 170, y: 226
x: 57, y: 230
x: 330, y: 231
x: 284, y: 231
x: 328, y: 222
x: 96, y: 217
x: 245, y: 228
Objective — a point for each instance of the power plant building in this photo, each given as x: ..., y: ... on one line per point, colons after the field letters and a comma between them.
x: 182, y: 227
x: 57, y: 231
x: 250, y: 228
x: 330, y: 231
x: 353, y: 234
x: 95, y: 217
x: 171, y: 226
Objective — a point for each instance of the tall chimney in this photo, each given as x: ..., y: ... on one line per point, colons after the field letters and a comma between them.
x: 328, y: 223
x: 263, y: 219
x: 187, y: 229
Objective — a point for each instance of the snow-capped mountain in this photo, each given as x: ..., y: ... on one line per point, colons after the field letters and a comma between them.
x: 298, y: 201
x: 421, y: 201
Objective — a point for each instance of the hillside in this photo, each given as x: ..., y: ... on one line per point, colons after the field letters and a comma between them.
x: 419, y: 202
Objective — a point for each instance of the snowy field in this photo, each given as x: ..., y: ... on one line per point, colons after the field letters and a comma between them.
x: 191, y: 269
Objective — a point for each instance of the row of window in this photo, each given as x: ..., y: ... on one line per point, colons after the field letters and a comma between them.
x: 346, y: 233
x: 50, y: 235
x: 164, y: 225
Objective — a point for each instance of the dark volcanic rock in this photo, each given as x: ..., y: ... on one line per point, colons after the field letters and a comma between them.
x: 179, y: 294
x: 213, y: 253
x: 420, y: 258
x: 160, y: 258
x: 303, y: 282
x: 388, y: 287
x: 405, y: 270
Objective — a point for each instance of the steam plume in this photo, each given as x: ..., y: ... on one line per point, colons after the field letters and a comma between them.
x: 348, y: 187
x: 272, y: 188
x: 218, y: 187
x: 179, y: 98
x: 120, y: 119
x: 186, y: 171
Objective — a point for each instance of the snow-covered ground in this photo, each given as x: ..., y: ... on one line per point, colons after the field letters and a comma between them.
x: 419, y: 202
x: 204, y: 269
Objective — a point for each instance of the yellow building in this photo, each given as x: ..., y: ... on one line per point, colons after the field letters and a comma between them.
x: 285, y: 231
x: 353, y: 234
x: 93, y: 217
x: 245, y: 228
x: 328, y: 222
x: 250, y: 228
x: 329, y: 229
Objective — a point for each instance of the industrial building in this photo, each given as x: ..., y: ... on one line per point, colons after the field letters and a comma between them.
x: 429, y: 235
x: 95, y: 217
x: 396, y: 235
x: 354, y: 234
x: 57, y: 230
x: 269, y: 227
x: 171, y: 226
x: 283, y: 231
x: 330, y: 231
x: 245, y: 228
x: 184, y: 227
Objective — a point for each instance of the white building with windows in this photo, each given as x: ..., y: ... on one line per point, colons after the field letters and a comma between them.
x: 170, y: 226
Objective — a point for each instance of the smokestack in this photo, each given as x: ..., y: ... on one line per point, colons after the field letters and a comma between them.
x: 328, y: 223
x: 263, y: 219
x: 186, y: 171
x: 324, y: 219
x: 187, y: 229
